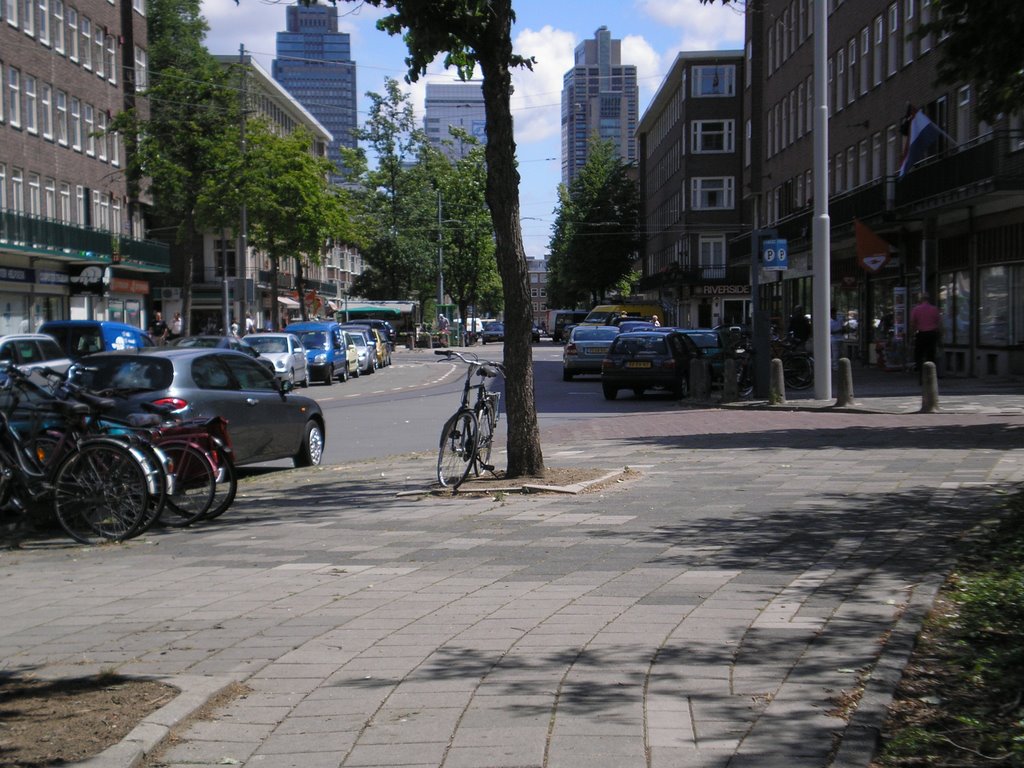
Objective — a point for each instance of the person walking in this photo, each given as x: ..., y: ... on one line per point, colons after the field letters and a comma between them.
x: 176, y: 326
x: 925, y: 324
x: 655, y: 321
x: 836, y: 331
x: 799, y: 327
x: 158, y: 329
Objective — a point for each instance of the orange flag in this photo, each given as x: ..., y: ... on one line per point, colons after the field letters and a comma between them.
x: 873, y: 252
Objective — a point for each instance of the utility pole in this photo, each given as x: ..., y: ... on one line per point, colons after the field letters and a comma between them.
x: 243, y: 229
x: 821, y: 230
x: 440, y: 257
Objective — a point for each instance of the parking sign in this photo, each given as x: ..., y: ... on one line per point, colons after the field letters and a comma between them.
x: 775, y: 255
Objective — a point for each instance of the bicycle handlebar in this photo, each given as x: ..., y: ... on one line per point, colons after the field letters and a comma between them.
x: 473, y: 361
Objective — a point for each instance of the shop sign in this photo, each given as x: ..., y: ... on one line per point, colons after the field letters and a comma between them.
x: 91, y: 279
x: 17, y: 275
x: 49, y: 277
x: 720, y: 290
x: 125, y: 285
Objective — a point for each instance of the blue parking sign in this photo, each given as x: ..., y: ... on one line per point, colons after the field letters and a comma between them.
x: 775, y: 255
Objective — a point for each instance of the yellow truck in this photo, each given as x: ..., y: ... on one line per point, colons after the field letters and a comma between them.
x: 606, y: 314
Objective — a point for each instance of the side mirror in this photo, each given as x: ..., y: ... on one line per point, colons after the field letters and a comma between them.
x: 286, y: 387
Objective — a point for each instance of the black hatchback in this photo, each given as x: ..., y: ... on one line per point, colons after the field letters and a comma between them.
x: 645, y: 360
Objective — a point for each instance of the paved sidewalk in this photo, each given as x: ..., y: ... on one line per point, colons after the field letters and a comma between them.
x: 716, y: 612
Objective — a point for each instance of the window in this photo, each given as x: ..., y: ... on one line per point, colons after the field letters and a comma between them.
x: 102, y: 140
x: 141, y: 70
x: 876, y: 156
x: 894, y: 38
x: 3, y: 92
x: 837, y: 177
x: 712, y: 255
x: 12, y: 12
x: 61, y: 122
x: 800, y: 110
x: 89, y: 121
x: 44, y: 22
x: 712, y: 80
x: 14, y: 96
x: 892, y: 156
x: 31, y: 107
x: 862, y: 161
x: 58, y: 26
x: 840, y: 80
x: 851, y: 180
x: 712, y: 136
x: 791, y: 134
x: 851, y: 73
x: 963, y: 114
x: 28, y: 18
x: 876, y: 60
x: 908, y: 32
x: 17, y: 190
x: 72, y: 34
x: 65, y: 202
x: 865, y: 60
x: 712, y: 193
x: 139, y: 6
x: 76, y: 124
x: 99, y: 51
x: 50, y: 199
x: 748, y: 70
x: 111, y: 60
x: 85, y: 30
x: 747, y: 143
x: 809, y: 105
x: 926, y: 18
x: 46, y: 111
x: 115, y: 149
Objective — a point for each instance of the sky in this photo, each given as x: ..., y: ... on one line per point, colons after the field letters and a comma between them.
x: 652, y: 33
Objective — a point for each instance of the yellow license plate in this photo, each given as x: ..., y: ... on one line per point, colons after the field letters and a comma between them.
x: 597, y: 350
x: 638, y: 364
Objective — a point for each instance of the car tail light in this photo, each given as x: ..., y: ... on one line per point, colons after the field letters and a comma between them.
x: 570, y: 349
x: 670, y: 363
x: 174, y: 403
x: 607, y: 364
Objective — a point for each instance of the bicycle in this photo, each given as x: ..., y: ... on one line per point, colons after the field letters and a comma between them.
x: 468, y: 435
x: 797, y: 364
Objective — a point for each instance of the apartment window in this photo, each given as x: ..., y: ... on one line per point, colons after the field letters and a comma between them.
x: 141, y: 70
x: 44, y: 22
x: 862, y: 161
x: 85, y: 31
x: 714, y: 80
x: 876, y: 59
x: 73, y: 34
x: 770, y: 140
x: 89, y: 126
x: 46, y: 111
x: 31, y: 106
x: 28, y: 18
x: 865, y: 60
x: 115, y: 149
x: 81, y: 210
x: 712, y: 193
x: 778, y: 44
x: 800, y: 110
x: 963, y: 114
x: 58, y: 26
x: 50, y: 199
x: 748, y: 70
x: 876, y: 156
x: 840, y: 80
x: 791, y: 134
x: 3, y: 185
x: 712, y: 254
x: 61, y: 121
x: 771, y: 54
x: 139, y: 6
x: 14, y: 96
x: 778, y: 127
x: 3, y: 90
x: 35, y: 197
x: 709, y: 136
x: 926, y: 18
x: 99, y: 57
x: 908, y: 32
x: 102, y: 140
x: 800, y: 192
x: 17, y: 190
x: 809, y: 105
x: 892, y: 156
x: 76, y: 124
x: 748, y: 138
x: 851, y: 73
x: 837, y: 176
x: 111, y: 60
x: 851, y: 179
x: 65, y: 202
x: 893, y: 45
x: 12, y: 12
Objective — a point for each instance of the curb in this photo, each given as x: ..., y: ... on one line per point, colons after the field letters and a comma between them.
x: 525, y: 488
x: 194, y: 692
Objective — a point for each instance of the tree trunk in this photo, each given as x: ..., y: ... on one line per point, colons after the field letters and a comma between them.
x: 524, y: 452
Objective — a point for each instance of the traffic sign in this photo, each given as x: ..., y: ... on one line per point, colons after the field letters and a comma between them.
x: 775, y: 255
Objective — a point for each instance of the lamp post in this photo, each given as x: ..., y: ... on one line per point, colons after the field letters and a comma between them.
x: 821, y: 227
x: 440, y: 256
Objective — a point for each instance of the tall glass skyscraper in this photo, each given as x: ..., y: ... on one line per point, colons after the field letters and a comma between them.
x: 460, y: 105
x: 600, y: 98
x: 314, y: 64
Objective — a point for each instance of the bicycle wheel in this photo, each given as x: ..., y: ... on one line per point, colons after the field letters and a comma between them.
x: 195, y: 482
x: 458, y: 448
x: 798, y: 371
x: 227, y: 485
x: 101, y: 493
x: 484, y: 440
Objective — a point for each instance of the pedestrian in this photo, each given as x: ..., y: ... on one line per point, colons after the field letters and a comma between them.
x: 250, y: 324
x: 655, y: 321
x: 799, y: 326
x: 234, y: 330
x: 442, y: 330
x: 176, y: 326
x: 836, y: 330
x: 158, y: 329
x: 925, y: 324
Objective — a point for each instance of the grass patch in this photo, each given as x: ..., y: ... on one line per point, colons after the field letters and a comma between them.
x: 960, y: 700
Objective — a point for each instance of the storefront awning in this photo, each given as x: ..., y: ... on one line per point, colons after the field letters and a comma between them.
x: 288, y: 302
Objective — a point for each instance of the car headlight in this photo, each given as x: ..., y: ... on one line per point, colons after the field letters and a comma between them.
x: 320, y: 358
x: 279, y: 364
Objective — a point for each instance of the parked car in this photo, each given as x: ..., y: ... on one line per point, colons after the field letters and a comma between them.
x: 29, y: 351
x: 265, y: 420
x: 648, y: 360
x: 560, y: 319
x: 285, y: 352
x: 210, y: 341
x: 383, y: 326
x: 712, y: 347
x: 365, y: 353
x: 85, y: 337
x: 327, y: 350
x: 377, y: 339
x: 628, y: 326
x: 535, y: 334
x: 493, y: 332
x: 586, y: 348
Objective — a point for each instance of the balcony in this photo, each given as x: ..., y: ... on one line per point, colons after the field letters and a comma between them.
x: 716, y: 274
x: 48, y: 238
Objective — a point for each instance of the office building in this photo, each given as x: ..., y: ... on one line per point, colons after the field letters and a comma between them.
x: 455, y: 105
x: 72, y: 228
x: 314, y: 64
x: 600, y: 99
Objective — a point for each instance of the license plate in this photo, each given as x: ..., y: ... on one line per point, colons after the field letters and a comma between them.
x: 638, y: 364
x: 597, y: 350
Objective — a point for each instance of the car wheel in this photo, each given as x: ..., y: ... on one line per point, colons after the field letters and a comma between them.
x: 357, y: 372
x: 311, y: 452
x: 681, y: 389
x: 291, y: 376
x: 329, y: 376
x: 305, y: 379
x: 343, y: 376
x: 610, y: 392
x: 566, y: 376
x: 638, y: 392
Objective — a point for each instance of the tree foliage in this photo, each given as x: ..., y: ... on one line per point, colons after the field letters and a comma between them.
x: 596, y: 233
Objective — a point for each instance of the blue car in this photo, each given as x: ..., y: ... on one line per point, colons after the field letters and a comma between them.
x: 327, y: 350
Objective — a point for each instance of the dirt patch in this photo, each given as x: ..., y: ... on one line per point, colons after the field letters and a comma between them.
x: 553, y: 476
x: 43, y: 722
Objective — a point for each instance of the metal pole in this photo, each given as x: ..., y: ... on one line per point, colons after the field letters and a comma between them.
x: 758, y: 317
x: 224, y: 299
x: 821, y: 230
x: 440, y: 257
x: 243, y: 235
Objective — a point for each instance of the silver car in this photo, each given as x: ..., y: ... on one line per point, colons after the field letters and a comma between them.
x: 287, y: 354
x: 586, y: 348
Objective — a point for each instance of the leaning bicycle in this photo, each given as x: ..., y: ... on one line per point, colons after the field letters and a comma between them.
x: 797, y: 364
x: 468, y: 436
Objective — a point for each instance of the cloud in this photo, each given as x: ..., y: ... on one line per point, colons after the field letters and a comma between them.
x: 704, y: 27
x: 649, y: 68
x: 537, y: 100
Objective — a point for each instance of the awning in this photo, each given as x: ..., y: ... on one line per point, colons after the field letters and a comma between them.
x: 288, y: 302
x: 372, y: 310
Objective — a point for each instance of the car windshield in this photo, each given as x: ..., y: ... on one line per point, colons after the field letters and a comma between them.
x: 594, y: 333
x: 704, y: 340
x: 204, y: 342
x: 639, y: 345
x: 131, y: 374
x: 268, y: 344
x: 313, y: 339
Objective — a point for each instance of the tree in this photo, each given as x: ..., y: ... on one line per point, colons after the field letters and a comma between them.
x: 192, y: 111
x: 479, y: 33
x: 981, y: 45
x: 596, y: 230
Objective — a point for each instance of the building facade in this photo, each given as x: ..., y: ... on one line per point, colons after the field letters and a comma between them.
x: 537, y: 269
x: 456, y: 105
x: 314, y: 64
x: 600, y: 99
x: 690, y: 169
x: 72, y: 227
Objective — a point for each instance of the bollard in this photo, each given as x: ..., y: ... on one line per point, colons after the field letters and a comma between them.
x: 777, y: 383
x: 844, y: 383
x: 700, y: 381
x: 730, y: 386
x: 929, y: 389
